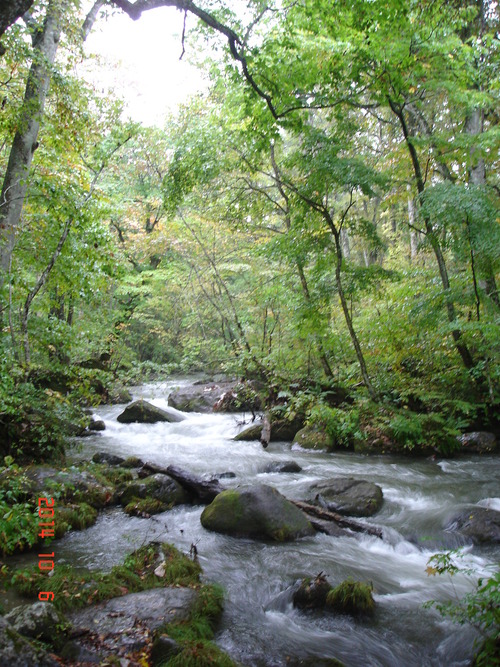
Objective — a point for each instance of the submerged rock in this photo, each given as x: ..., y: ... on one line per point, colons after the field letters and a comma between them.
x: 146, y: 413
x: 345, y: 495
x: 282, y: 466
x: 478, y: 523
x: 349, y: 597
x: 258, y: 511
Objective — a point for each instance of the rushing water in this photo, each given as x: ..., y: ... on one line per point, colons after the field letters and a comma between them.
x: 260, y: 626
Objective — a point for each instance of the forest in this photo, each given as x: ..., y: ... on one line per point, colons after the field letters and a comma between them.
x: 322, y: 223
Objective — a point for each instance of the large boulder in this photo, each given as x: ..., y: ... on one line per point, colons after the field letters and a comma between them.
x: 345, y: 495
x: 16, y: 651
x: 125, y: 624
x: 478, y: 523
x: 40, y: 620
x: 216, y: 396
x: 71, y: 484
x: 258, y: 511
x: 166, y: 490
x: 282, y: 430
x: 478, y: 442
x: 313, y: 437
x: 146, y: 413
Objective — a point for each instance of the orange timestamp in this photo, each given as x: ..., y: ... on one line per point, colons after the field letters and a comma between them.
x: 46, y: 526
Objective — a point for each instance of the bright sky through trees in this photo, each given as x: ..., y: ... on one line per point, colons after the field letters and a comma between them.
x: 142, y: 63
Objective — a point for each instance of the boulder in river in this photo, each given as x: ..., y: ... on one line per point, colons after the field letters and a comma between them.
x: 478, y: 442
x: 257, y: 511
x: 282, y: 466
x: 349, y: 496
x: 349, y: 597
x: 146, y: 413
x: 216, y: 396
x: 109, y: 459
x: 479, y: 523
x: 282, y: 430
x: 313, y: 437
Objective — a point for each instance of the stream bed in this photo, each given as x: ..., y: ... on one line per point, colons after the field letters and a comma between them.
x: 260, y: 627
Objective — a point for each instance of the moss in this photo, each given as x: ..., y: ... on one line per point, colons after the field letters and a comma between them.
x: 73, y: 589
x: 226, y: 504
x: 132, y: 462
x: 194, y: 636
x: 74, y: 517
x: 144, y: 507
x: 351, y: 597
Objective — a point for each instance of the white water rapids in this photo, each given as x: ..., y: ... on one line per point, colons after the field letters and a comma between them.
x: 260, y: 626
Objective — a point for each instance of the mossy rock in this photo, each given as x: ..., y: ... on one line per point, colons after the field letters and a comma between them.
x: 144, y: 507
x: 70, y: 485
x: 133, y: 462
x: 351, y: 597
x: 40, y: 620
x: 145, y: 413
x: 73, y: 517
x: 312, y: 593
x: 165, y: 489
x: 258, y: 511
x: 314, y: 437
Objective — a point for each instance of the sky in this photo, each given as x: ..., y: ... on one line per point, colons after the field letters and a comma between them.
x: 142, y: 62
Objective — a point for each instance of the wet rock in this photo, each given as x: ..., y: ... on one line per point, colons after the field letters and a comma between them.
x: 478, y: 442
x: 312, y: 593
x: 16, y: 651
x: 125, y: 624
x: 110, y: 459
x: 345, y: 495
x: 480, y: 524
x: 258, y: 511
x: 224, y: 475
x: 166, y: 490
x: 164, y: 648
x: 351, y: 597
x: 128, y: 492
x: 282, y: 466
x: 146, y: 413
x: 216, y: 396
x: 40, y: 620
x: 97, y: 425
x: 132, y: 462
x: 282, y: 430
x: 313, y: 437
x: 73, y: 485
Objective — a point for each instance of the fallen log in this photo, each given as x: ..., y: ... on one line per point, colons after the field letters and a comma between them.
x: 203, y: 490
x: 339, y: 519
x: 265, y: 436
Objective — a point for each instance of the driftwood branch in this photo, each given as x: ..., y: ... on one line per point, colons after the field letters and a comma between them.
x: 203, y: 490
x: 265, y: 436
x: 342, y: 521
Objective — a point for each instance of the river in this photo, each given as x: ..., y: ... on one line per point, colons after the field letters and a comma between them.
x: 260, y: 627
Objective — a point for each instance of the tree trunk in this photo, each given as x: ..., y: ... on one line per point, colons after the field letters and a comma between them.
x: 25, y: 142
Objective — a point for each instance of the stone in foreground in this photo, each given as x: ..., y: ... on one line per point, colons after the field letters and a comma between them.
x: 258, y: 511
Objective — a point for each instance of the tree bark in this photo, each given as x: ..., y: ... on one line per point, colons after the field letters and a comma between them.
x: 342, y: 521
x: 25, y: 142
x: 10, y: 11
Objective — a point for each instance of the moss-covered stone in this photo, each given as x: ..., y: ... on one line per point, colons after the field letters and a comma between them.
x: 351, y: 597
x: 314, y: 437
x: 258, y: 511
x: 144, y: 507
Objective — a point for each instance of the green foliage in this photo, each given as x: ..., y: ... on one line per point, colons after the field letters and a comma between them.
x: 480, y: 608
x: 73, y: 589
x: 18, y: 517
x: 342, y: 425
x: 351, y: 597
